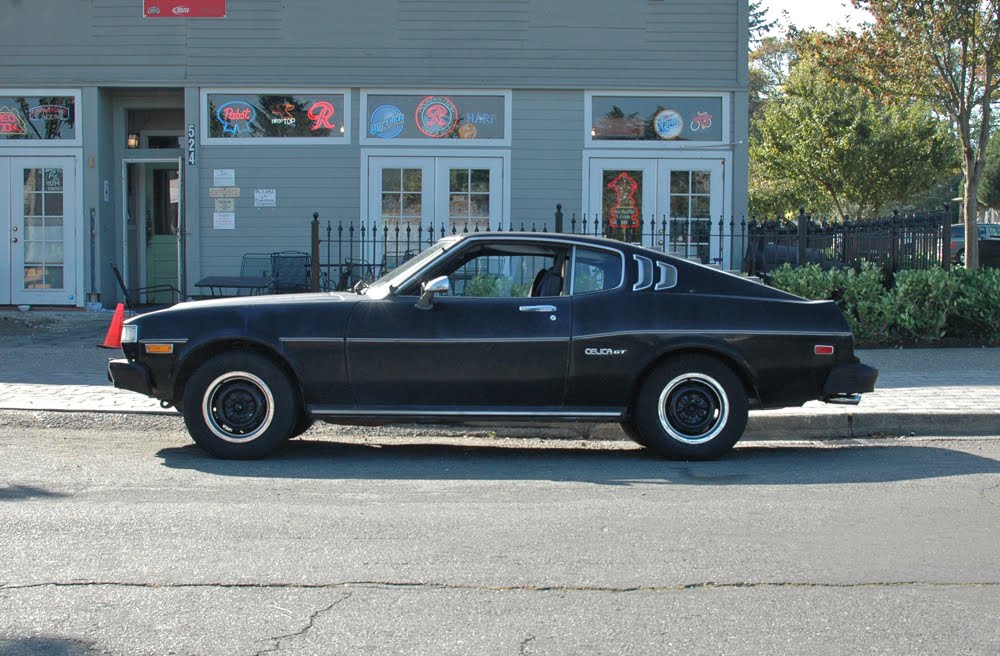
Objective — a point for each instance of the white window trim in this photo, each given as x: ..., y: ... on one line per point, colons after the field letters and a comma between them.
x: 204, y: 118
x: 365, y: 140
x: 76, y: 142
x: 450, y: 153
x: 663, y: 144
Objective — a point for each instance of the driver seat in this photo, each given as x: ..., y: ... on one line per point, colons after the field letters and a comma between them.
x: 549, y: 282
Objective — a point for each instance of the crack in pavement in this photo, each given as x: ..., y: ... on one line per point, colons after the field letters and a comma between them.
x: 525, y: 643
x: 985, y: 494
x: 301, y: 632
x: 423, y: 585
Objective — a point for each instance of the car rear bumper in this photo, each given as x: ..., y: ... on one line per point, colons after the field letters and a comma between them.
x: 849, y: 379
x: 130, y: 376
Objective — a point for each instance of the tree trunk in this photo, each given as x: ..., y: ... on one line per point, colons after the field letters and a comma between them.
x: 970, y: 211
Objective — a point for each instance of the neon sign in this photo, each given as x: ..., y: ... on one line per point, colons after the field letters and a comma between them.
x: 233, y: 113
x: 668, y: 124
x: 702, y: 121
x: 320, y: 114
x: 387, y: 122
x: 624, y: 213
x: 11, y: 122
x: 283, y: 114
x: 437, y: 116
x: 49, y: 113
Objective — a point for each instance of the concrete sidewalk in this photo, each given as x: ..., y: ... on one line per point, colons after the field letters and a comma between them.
x: 50, y: 362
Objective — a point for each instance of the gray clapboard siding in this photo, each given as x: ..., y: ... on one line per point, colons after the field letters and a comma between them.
x: 546, y: 159
x: 565, y: 44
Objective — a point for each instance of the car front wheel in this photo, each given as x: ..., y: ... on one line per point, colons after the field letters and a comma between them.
x: 240, y: 406
x: 691, y: 408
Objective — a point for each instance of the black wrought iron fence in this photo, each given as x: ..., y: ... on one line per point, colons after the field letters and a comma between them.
x: 347, y: 251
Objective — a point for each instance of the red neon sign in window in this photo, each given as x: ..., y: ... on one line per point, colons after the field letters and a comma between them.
x: 320, y: 114
x: 624, y: 213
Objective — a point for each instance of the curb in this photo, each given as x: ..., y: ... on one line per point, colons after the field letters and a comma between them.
x: 769, y: 426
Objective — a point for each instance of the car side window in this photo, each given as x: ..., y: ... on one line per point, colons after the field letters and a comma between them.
x: 515, y: 270
x: 596, y: 271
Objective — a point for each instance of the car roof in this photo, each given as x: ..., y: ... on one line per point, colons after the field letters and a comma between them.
x: 575, y: 238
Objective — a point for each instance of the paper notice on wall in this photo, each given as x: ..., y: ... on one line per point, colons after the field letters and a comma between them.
x: 224, y: 220
x: 265, y: 197
x: 224, y: 177
x: 225, y: 204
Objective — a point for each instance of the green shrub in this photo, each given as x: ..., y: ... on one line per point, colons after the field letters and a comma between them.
x: 922, y: 306
x: 924, y: 300
x: 867, y: 305
x: 976, y: 306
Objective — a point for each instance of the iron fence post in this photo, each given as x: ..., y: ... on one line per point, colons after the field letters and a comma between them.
x: 803, y: 235
x: 314, y: 254
x: 559, y: 218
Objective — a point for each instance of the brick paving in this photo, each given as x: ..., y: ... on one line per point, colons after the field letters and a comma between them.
x: 57, y: 366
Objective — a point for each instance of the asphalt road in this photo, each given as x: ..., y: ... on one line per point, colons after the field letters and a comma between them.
x: 131, y: 541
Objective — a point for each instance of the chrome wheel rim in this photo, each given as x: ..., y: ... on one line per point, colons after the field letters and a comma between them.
x: 238, y: 407
x: 693, y: 408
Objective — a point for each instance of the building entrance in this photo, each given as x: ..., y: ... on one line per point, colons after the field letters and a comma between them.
x: 38, y: 201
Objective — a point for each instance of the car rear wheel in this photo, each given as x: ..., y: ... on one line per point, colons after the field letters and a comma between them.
x: 240, y: 406
x: 691, y: 408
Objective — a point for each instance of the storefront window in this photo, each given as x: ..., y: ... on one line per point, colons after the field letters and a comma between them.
x: 469, y: 198
x: 657, y: 118
x: 430, y: 117
x: 37, y: 118
x: 256, y: 116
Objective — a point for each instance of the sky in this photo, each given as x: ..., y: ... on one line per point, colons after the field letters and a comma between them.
x: 814, y: 13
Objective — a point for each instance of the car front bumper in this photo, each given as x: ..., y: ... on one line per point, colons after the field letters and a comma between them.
x: 130, y: 376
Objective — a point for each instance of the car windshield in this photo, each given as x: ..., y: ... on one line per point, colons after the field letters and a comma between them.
x: 384, y: 286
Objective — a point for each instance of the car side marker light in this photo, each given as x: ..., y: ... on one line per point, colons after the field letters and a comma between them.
x: 159, y: 348
x: 823, y: 349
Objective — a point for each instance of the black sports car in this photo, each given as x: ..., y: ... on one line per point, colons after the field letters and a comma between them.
x: 499, y: 327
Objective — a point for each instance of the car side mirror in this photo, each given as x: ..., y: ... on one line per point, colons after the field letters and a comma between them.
x: 428, y: 289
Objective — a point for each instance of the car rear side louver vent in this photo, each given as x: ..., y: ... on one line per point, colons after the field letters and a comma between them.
x: 668, y: 276
x: 645, y: 280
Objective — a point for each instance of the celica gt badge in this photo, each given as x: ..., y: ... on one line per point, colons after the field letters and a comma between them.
x: 604, y: 352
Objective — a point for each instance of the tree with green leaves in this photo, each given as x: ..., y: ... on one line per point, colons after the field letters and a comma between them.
x: 760, y: 24
x: 830, y: 146
x: 946, y: 52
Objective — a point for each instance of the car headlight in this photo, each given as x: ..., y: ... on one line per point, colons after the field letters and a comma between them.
x: 130, y: 333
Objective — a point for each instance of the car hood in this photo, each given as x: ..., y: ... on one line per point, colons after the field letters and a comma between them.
x: 270, y: 317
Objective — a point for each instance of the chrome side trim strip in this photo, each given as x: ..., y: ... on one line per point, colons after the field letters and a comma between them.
x: 163, y: 341
x: 458, y: 413
x: 630, y: 333
x: 470, y: 340
x: 303, y: 340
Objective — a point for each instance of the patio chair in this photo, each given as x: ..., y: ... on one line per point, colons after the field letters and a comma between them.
x: 132, y: 298
x: 290, y: 270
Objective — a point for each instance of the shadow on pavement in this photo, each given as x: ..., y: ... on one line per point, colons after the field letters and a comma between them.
x: 747, y: 465
x: 35, y: 646
x: 25, y: 493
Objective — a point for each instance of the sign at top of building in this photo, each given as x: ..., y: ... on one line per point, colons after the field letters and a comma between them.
x: 184, y: 8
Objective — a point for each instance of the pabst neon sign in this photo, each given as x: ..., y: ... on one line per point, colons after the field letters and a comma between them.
x: 233, y: 114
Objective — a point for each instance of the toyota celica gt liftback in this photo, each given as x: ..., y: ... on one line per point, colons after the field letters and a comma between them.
x: 499, y: 327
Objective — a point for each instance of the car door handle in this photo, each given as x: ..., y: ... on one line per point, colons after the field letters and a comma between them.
x: 538, y: 308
